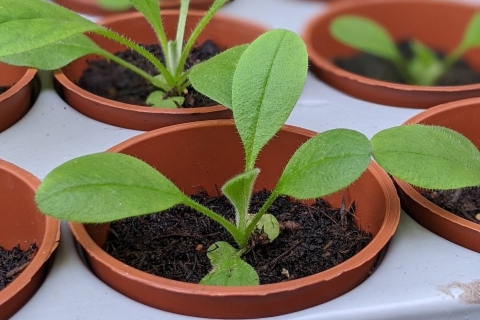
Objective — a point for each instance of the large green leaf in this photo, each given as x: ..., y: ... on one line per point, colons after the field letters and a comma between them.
x: 151, y: 11
x: 364, y: 34
x: 428, y: 156
x: 266, y: 85
x: 214, y: 77
x: 31, y: 24
x: 55, y: 55
x: 104, y: 187
x: 115, y: 5
x: 326, y: 163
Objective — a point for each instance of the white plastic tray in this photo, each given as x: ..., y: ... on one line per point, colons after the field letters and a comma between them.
x: 421, y: 277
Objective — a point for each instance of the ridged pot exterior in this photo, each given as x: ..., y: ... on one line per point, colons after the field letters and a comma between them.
x: 22, y: 224
x: 225, y: 31
x: 461, y: 116
x: 18, y: 99
x: 438, y: 24
x: 203, y: 155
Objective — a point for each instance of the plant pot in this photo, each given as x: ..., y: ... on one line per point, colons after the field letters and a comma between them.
x: 461, y: 116
x: 91, y: 7
x: 213, y: 163
x: 442, y: 26
x: 18, y: 99
x: 227, y: 32
x: 22, y: 224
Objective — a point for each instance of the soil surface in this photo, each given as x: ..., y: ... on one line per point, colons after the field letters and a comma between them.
x: 13, y: 262
x: 3, y: 89
x: 173, y: 244
x: 112, y: 81
x: 464, y: 203
x: 373, y: 67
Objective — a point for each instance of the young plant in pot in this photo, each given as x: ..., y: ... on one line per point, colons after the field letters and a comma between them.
x: 61, y: 41
x: 261, y: 83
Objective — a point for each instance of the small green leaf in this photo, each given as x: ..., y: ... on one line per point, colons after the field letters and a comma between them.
x: 269, y: 224
x: 55, y: 55
x: 239, y: 191
x: 428, y: 156
x: 365, y: 35
x: 104, y: 187
x: 228, y: 268
x: 425, y: 66
x: 266, y: 85
x: 471, y: 36
x: 115, y: 5
x: 214, y: 77
x: 156, y: 99
x: 324, y: 164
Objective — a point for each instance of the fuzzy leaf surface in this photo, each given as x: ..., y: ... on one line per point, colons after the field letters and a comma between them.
x: 31, y: 24
x: 428, y: 156
x: 326, y: 163
x: 214, y: 77
x: 269, y: 224
x: 115, y: 5
x: 104, y: 187
x: 266, y: 85
x: 228, y: 268
x: 365, y: 35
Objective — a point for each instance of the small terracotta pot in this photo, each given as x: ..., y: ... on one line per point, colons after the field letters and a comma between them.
x: 461, y: 116
x: 194, y: 165
x: 22, y: 224
x: 438, y: 24
x: 91, y: 7
x: 18, y: 99
x: 227, y: 32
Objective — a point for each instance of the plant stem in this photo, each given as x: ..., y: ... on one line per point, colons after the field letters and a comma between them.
x: 236, y: 234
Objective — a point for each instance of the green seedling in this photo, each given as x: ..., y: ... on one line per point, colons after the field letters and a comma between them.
x: 261, y: 83
x: 424, y: 69
x: 43, y: 35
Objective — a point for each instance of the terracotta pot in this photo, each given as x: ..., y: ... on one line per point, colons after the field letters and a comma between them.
x: 227, y: 32
x: 438, y: 24
x: 91, y: 7
x: 461, y: 116
x: 212, y: 164
x: 18, y: 99
x: 22, y: 224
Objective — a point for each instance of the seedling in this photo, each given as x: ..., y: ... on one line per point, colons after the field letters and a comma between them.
x: 43, y: 35
x: 426, y: 66
x: 261, y: 83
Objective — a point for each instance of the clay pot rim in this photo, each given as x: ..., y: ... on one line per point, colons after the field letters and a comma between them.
x: 69, y: 84
x: 386, y: 231
x: 413, y: 192
x: 50, y: 240
x: 339, y: 7
x: 24, y: 80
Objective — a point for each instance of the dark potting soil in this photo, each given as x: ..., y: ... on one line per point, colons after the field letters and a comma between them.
x: 173, y: 244
x: 13, y: 262
x: 3, y: 89
x: 373, y: 67
x: 464, y: 203
x: 112, y: 81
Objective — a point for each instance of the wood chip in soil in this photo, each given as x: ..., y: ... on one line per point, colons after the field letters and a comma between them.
x: 13, y: 262
x: 112, y: 81
x: 370, y: 66
x: 173, y: 244
x: 464, y: 203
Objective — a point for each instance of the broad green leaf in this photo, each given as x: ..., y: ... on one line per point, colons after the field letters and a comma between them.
x: 214, y: 77
x: 228, y: 268
x: 425, y: 67
x: 55, y: 55
x: 156, y: 100
x: 266, y: 85
x: 31, y: 24
x: 115, y: 5
x: 104, y: 187
x: 471, y: 36
x: 239, y: 191
x: 365, y: 35
x: 269, y: 224
x: 428, y: 156
x: 326, y: 163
